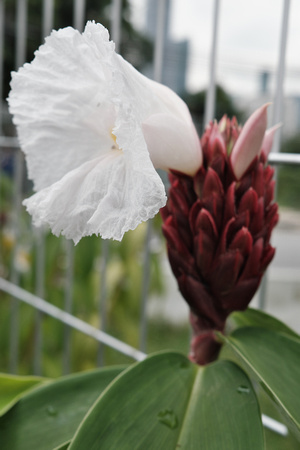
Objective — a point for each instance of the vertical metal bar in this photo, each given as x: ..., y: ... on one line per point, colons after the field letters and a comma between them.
x: 79, y: 14
x: 277, y: 115
x: 47, y: 25
x: 21, y: 33
x: 211, y: 91
x: 145, y: 288
x: 278, y: 102
x: 68, y: 304
x: 40, y: 292
x: 2, y: 12
x: 48, y: 10
x: 14, y: 319
x: 116, y: 23
x: 116, y: 13
x: 103, y: 297
x: 116, y: 36
x: 160, y: 40
x: 20, y: 56
x: 263, y: 292
x: 158, y: 71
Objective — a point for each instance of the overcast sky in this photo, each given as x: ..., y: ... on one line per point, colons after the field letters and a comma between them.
x: 248, y: 40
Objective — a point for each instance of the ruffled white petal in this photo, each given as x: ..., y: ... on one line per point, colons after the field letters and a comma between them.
x: 66, y: 105
x: 89, y: 199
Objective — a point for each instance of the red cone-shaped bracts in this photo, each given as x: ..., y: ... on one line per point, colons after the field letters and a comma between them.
x: 218, y: 229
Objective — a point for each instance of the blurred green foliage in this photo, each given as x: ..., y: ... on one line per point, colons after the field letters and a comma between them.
x: 123, y: 289
x: 288, y: 186
x: 224, y: 105
x: 123, y: 285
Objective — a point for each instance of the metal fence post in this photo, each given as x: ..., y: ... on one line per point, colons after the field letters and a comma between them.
x: 277, y: 117
x: 79, y: 14
x: 48, y: 11
x: 158, y: 68
x: 211, y: 91
x: 2, y: 13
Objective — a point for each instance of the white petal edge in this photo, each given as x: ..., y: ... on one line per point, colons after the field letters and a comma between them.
x: 102, y: 196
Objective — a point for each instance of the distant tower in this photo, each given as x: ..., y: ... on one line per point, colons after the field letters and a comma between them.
x: 175, y: 52
x: 264, y: 80
x: 151, y: 20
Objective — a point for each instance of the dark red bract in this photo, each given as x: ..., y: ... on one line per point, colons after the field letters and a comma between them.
x: 218, y: 235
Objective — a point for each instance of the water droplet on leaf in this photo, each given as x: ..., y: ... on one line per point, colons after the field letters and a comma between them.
x: 51, y: 411
x: 168, y: 418
x: 243, y: 390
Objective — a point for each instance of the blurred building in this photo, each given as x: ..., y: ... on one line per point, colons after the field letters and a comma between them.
x: 175, y: 52
x: 265, y: 94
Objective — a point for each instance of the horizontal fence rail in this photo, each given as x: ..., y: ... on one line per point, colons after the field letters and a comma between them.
x: 9, y: 146
x: 77, y: 324
x: 70, y: 320
x: 274, y: 158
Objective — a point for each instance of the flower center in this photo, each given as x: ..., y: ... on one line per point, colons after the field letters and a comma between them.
x: 114, y: 138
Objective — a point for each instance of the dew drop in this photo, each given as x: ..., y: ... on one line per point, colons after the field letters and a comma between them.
x: 51, y: 411
x: 243, y: 389
x: 168, y: 418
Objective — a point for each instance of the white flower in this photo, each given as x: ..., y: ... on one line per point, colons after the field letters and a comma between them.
x: 92, y: 128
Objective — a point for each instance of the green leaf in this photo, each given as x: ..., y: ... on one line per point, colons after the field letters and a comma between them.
x: 274, y: 359
x: 166, y: 402
x: 49, y: 416
x: 13, y: 387
x: 63, y: 446
x: 256, y: 318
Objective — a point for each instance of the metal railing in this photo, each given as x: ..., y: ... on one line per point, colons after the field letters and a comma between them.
x: 11, y: 287
x: 10, y: 145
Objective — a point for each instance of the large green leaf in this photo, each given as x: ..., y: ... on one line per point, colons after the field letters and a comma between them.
x: 274, y: 359
x: 256, y: 318
x: 13, y: 387
x: 49, y: 416
x: 166, y: 402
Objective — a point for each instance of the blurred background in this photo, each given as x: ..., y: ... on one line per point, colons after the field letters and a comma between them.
x: 127, y: 289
